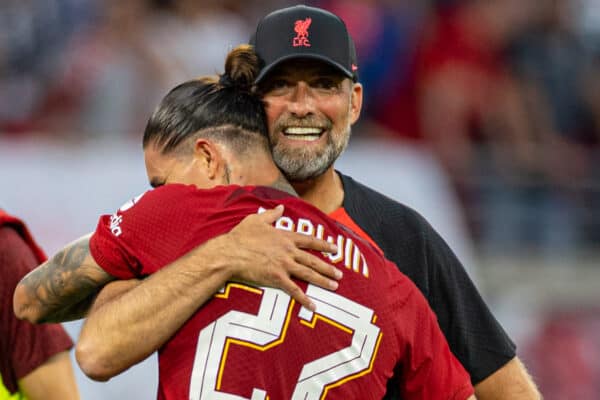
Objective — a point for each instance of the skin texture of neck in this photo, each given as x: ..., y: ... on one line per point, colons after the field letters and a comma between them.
x: 260, y: 170
x: 325, y: 192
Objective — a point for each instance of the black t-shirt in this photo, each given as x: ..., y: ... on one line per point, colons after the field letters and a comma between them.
x: 407, y: 239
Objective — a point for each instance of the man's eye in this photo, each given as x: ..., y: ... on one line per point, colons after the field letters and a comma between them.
x: 278, y: 84
x: 325, y: 84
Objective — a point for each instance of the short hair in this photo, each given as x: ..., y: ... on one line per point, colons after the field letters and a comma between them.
x: 221, y: 107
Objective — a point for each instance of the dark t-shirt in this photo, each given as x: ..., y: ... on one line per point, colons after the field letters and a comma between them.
x: 249, y: 339
x: 23, y: 346
x: 407, y: 239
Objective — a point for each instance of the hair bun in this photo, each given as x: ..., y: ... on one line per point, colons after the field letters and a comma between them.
x: 226, y: 81
x: 241, y: 67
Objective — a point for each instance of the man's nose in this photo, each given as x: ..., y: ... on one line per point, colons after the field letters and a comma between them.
x: 301, y: 102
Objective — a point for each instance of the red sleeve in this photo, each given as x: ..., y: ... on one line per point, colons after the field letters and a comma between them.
x: 111, y: 252
x: 430, y: 370
x: 149, y: 231
x: 117, y: 245
x: 23, y: 346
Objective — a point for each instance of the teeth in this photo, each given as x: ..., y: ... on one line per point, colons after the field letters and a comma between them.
x: 302, y: 131
x: 304, y: 138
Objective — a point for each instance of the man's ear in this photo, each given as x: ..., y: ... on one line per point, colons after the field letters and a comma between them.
x: 356, y: 99
x: 208, y: 156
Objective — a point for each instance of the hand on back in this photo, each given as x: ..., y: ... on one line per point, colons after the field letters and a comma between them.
x: 260, y: 254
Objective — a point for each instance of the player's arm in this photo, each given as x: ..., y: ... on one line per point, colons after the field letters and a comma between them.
x: 52, y: 380
x: 457, y: 303
x: 62, y: 288
x: 131, y: 320
x: 509, y: 382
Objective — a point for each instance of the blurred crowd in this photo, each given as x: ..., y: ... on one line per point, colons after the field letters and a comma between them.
x: 505, y: 93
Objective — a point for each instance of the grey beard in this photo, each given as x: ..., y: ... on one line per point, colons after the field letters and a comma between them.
x: 300, y: 165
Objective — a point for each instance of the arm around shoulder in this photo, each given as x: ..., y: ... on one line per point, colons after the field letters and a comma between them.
x: 155, y: 309
x: 62, y: 288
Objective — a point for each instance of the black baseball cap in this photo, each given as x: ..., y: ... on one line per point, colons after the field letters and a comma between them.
x: 304, y: 32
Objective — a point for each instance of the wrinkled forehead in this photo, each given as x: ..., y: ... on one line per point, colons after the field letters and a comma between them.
x: 302, y: 68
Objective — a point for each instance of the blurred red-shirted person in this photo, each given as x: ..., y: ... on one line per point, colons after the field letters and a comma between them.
x: 34, y: 359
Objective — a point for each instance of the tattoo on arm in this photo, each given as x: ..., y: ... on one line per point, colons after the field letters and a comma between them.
x: 64, y: 287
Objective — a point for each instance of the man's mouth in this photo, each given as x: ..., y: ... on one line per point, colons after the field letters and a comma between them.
x: 303, y: 133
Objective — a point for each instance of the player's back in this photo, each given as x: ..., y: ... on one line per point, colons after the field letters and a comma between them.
x: 257, y: 343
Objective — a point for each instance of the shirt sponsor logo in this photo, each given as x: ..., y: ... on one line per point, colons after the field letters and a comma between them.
x: 115, y: 222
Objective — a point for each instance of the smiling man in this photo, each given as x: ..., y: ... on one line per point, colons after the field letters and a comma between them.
x: 248, y: 341
x: 309, y: 83
x: 312, y: 98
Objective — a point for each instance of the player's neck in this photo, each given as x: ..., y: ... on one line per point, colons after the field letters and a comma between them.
x: 262, y: 171
x: 282, y: 184
x: 325, y: 192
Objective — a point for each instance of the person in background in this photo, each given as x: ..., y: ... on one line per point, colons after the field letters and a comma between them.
x: 34, y: 359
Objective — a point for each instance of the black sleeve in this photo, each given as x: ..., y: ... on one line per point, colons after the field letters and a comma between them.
x: 407, y: 239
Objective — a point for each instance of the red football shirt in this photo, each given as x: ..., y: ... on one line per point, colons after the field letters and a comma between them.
x: 23, y: 346
x: 257, y: 343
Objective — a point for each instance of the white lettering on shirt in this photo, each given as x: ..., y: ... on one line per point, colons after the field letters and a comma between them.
x: 348, y: 252
x: 115, y: 221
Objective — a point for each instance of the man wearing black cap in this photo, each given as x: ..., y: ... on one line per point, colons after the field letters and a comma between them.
x: 312, y: 98
x: 309, y: 83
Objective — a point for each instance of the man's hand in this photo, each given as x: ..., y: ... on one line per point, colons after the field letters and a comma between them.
x: 257, y: 253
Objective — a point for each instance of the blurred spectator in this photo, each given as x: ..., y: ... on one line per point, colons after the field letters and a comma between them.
x: 459, y: 91
x: 384, y: 32
x: 554, y: 67
x: 109, y: 76
x: 564, y: 355
x: 106, y: 75
x: 33, y: 34
x: 464, y: 101
x: 193, y: 37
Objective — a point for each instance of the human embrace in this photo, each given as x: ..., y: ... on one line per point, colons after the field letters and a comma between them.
x: 258, y: 270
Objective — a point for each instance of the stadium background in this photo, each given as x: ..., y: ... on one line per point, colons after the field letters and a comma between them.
x: 510, y: 177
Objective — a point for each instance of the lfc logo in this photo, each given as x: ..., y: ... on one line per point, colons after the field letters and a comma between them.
x: 301, y: 28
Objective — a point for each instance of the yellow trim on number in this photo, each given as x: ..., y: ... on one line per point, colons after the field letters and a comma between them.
x: 241, y: 286
x: 228, y: 341
x: 357, y: 375
x: 316, y: 317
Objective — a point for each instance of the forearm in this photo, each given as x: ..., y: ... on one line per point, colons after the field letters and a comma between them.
x: 129, y: 327
x: 53, y: 380
x: 511, y: 382
x: 62, y: 288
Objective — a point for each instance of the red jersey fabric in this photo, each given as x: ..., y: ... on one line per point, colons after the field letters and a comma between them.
x: 253, y: 342
x: 23, y: 346
x: 19, y: 226
x: 341, y: 216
